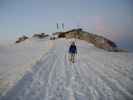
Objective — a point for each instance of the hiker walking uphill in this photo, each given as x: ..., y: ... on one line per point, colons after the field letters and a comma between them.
x: 72, y: 52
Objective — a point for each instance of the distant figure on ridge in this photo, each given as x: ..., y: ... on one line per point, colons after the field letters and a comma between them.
x: 72, y: 52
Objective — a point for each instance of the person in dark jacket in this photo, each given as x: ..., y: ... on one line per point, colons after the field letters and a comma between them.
x: 72, y: 52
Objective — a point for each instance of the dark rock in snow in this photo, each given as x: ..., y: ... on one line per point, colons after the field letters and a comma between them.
x: 20, y: 39
x: 41, y: 36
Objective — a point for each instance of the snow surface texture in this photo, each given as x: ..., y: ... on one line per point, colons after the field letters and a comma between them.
x: 96, y: 75
x: 17, y: 59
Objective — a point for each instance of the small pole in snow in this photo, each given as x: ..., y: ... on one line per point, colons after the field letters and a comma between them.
x: 57, y: 26
x: 63, y: 26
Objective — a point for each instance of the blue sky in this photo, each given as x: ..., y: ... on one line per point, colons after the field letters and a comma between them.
x: 113, y: 18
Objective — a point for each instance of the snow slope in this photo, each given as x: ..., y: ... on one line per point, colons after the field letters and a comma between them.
x: 16, y: 59
x: 96, y: 75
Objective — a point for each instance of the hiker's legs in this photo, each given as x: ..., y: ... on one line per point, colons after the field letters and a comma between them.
x: 73, y: 56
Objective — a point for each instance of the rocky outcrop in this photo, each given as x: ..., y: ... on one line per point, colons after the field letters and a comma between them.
x: 96, y: 40
x: 20, y: 39
x: 102, y: 42
x: 40, y: 36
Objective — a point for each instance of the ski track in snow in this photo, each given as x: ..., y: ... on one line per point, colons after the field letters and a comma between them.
x: 90, y: 78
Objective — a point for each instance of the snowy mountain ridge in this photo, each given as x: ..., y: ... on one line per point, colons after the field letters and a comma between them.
x: 96, y: 74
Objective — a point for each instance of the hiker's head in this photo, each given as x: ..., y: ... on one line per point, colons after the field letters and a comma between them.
x: 73, y: 43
